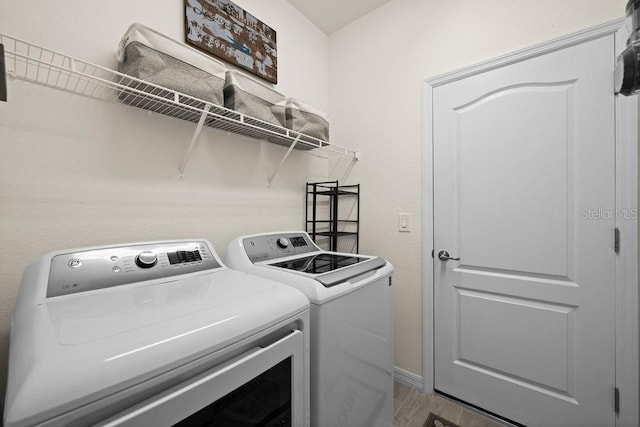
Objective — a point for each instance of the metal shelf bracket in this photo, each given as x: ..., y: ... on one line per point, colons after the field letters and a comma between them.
x: 194, y: 139
x: 352, y: 163
x: 284, y: 159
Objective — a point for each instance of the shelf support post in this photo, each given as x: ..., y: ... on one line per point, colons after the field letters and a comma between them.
x: 194, y: 139
x: 3, y: 75
x: 284, y: 159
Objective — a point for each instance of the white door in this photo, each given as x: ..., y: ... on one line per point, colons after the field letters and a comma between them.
x: 524, y: 195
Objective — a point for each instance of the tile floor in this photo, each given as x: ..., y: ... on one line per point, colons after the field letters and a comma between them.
x: 411, y: 409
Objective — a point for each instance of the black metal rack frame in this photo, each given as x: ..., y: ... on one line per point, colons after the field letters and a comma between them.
x: 3, y: 75
x: 333, y: 190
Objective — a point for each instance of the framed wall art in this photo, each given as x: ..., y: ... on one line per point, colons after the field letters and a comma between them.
x: 225, y: 30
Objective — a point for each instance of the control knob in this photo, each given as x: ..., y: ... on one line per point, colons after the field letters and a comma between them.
x: 283, y: 242
x: 146, y: 259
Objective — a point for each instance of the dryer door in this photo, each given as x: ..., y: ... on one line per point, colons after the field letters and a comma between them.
x: 263, y: 386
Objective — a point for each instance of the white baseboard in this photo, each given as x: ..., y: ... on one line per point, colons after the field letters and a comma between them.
x: 408, y: 378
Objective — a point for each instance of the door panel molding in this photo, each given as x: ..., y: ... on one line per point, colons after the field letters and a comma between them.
x: 627, y: 352
x: 555, y: 348
x: 522, y: 275
x: 478, y: 214
x: 532, y: 86
x: 522, y: 382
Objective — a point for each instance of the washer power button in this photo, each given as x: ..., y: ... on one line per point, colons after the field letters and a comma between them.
x: 146, y: 259
x: 74, y: 263
x: 283, y: 242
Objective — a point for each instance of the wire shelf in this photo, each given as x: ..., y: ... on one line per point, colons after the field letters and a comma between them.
x: 27, y: 61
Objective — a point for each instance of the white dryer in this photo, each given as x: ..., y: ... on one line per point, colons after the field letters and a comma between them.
x: 351, y: 322
x: 158, y: 333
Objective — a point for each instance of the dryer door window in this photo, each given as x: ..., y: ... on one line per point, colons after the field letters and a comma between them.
x: 263, y: 401
x: 261, y: 387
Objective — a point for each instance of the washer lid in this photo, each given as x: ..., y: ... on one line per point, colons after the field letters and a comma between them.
x: 332, y: 268
x: 79, y: 348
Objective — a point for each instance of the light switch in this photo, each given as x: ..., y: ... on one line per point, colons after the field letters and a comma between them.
x: 404, y: 222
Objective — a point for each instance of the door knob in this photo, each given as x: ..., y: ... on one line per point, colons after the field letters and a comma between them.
x: 444, y: 256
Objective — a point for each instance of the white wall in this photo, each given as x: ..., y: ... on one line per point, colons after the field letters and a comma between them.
x: 77, y: 172
x: 377, y: 65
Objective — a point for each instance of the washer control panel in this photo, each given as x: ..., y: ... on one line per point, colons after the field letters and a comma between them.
x: 268, y: 247
x: 104, y: 268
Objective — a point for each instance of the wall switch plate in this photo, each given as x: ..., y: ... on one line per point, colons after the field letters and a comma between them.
x: 404, y: 222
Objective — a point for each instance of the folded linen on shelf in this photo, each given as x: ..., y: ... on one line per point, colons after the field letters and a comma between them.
x: 307, y: 119
x: 250, y: 97
x: 155, y: 58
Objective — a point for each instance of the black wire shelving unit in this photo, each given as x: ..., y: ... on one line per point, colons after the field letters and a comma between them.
x: 326, y: 221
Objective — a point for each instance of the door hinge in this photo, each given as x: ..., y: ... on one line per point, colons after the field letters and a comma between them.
x: 616, y: 400
x: 616, y: 240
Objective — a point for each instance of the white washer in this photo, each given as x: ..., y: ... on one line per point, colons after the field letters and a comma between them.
x: 351, y: 322
x: 158, y: 333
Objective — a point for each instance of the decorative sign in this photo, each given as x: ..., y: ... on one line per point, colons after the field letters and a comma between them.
x: 222, y: 28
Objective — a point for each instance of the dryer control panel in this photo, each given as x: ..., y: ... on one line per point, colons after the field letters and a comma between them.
x: 273, y: 246
x: 120, y: 265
